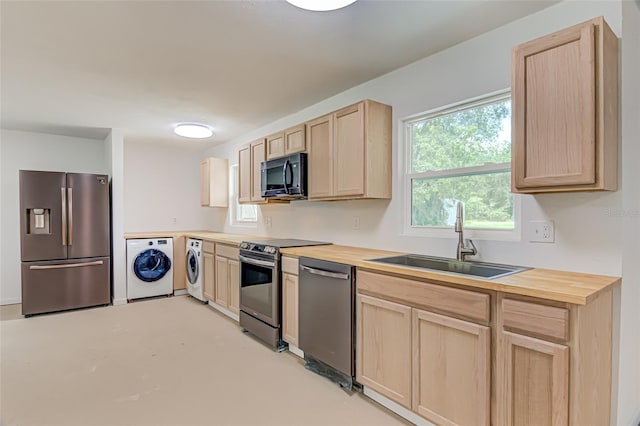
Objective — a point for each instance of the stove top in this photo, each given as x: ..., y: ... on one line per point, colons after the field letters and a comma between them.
x: 288, y: 242
x: 272, y: 247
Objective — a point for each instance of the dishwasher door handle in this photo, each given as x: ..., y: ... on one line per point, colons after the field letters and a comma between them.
x: 324, y: 273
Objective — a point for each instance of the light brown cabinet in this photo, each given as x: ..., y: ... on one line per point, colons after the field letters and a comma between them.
x: 536, y: 381
x: 383, y: 347
x: 214, y: 182
x: 208, y: 275
x: 286, y: 142
x: 227, y: 282
x: 553, y: 361
x: 249, y: 173
x: 565, y: 111
x: 350, y: 153
x: 290, y: 303
x: 451, y: 369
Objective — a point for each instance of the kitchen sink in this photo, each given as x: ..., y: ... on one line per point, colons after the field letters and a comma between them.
x: 444, y: 264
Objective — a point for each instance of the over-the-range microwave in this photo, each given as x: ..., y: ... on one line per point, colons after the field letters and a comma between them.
x: 285, y: 178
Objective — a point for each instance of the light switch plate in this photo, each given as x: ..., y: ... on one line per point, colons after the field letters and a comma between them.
x: 541, y: 231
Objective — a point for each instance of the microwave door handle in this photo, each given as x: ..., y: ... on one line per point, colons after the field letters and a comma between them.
x: 284, y: 176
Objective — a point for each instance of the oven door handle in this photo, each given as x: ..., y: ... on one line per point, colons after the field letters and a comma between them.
x: 257, y: 262
x: 324, y: 273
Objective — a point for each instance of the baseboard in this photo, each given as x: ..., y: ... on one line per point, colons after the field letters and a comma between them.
x: 11, y: 301
x: 119, y: 302
x: 296, y: 350
x: 180, y: 292
x: 396, y: 408
x: 224, y: 311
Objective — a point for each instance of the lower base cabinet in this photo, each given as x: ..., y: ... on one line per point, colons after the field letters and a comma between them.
x: 290, y: 294
x: 536, y: 381
x: 451, y: 370
x: 227, y: 278
x: 383, y: 348
x: 208, y: 275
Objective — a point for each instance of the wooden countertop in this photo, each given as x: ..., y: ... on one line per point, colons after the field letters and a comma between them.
x: 218, y: 237
x: 569, y: 287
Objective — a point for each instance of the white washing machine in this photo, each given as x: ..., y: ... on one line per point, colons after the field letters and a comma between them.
x: 194, y: 269
x: 149, y: 270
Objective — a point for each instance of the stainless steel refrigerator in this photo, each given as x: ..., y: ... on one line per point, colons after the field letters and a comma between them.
x: 65, y: 241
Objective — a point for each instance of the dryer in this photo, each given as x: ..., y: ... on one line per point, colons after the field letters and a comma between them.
x: 194, y: 269
x: 149, y: 270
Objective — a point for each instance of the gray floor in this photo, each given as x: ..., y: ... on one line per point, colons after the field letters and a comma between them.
x: 170, y: 361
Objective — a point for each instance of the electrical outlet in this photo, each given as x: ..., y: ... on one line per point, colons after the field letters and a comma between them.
x: 355, y: 223
x: 267, y: 221
x: 541, y: 231
x: 175, y: 220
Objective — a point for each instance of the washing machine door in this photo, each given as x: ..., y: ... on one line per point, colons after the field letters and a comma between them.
x: 151, y: 265
x: 193, y: 269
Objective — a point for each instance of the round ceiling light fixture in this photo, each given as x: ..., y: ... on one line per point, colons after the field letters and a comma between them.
x: 193, y: 130
x: 321, y: 5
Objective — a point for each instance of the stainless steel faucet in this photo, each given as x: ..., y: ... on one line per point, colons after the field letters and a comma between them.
x: 463, y: 250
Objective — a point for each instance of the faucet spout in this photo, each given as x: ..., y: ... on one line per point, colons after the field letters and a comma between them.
x: 463, y: 250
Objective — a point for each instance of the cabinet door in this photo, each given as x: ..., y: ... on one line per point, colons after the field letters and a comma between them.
x: 320, y: 157
x: 290, y: 308
x: 533, y: 383
x: 294, y: 140
x: 204, y: 183
x: 349, y: 151
x: 244, y: 175
x: 222, y: 281
x: 451, y: 370
x: 257, y: 157
x: 234, y: 286
x: 208, y: 277
x: 383, y: 348
x: 275, y: 146
x: 554, y: 114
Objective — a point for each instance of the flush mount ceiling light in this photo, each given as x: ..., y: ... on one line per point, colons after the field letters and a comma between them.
x: 321, y: 5
x: 193, y: 130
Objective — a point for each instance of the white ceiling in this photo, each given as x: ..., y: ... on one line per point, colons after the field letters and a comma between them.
x: 81, y: 67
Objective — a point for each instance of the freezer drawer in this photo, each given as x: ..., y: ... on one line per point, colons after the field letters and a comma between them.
x: 60, y: 285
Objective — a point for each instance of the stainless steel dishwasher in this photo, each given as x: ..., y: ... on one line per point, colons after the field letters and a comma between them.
x: 326, y: 318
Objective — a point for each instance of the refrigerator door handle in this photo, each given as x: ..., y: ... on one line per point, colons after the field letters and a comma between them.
x: 70, y: 214
x: 67, y: 265
x: 63, y: 192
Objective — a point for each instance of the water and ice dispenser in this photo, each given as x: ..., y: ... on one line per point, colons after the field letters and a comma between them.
x: 39, y: 220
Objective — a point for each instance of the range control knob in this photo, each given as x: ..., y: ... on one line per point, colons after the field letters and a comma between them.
x: 270, y: 249
x: 244, y: 245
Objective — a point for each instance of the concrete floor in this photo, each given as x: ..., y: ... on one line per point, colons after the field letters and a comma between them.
x: 169, y: 361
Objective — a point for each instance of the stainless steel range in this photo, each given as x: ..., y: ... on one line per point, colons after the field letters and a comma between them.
x: 260, y: 288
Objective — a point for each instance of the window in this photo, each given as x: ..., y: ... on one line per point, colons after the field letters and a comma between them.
x: 461, y: 153
x: 240, y: 214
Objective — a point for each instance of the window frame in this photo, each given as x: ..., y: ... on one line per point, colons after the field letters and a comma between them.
x: 235, y: 205
x: 408, y: 177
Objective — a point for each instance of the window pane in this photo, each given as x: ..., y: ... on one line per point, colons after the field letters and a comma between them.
x: 247, y: 213
x: 465, y: 138
x: 487, y: 201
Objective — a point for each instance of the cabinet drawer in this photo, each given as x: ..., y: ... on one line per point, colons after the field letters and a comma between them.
x: 290, y: 265
x: 207, y: 246
x: 227, y: 251
x: 538, y: 320
x: 463, y: 303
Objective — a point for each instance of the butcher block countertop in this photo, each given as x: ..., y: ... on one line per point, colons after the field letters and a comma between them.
x: 569, y: 287
x: 218, y: 237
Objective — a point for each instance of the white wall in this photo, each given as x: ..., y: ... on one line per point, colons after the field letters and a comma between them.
x: 595, y: 232
x: 34, y: 151
x: 629, y: 380
x: 162, y: 191
x: 587, y: 237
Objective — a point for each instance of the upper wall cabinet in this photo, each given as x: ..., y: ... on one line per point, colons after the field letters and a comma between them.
x: 350, y: 153
x: 287, y: 142
x: 249, y: 183
x: 214, y: 182
x: 565, y: 111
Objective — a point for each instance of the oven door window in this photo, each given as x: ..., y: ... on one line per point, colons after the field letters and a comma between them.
x: 257, y: 291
